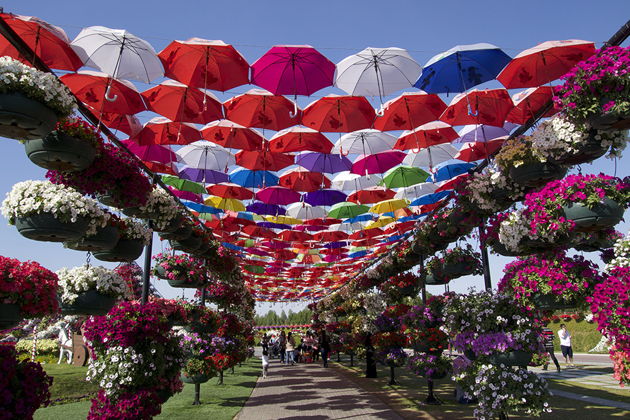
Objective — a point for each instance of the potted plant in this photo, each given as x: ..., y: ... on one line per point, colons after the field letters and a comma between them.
x: 31, y: 101
x: 43, y: 211
x: 401, y: 285
x: 595, y: 241
x: 190, y: 244
x: 71, y: 146
x: 431, y: 366
x: 181, y: 270
x: 90, y: 290
x: 492, y: 191
x: 104, y: 238
x: 461, y: 261
x: 134, y: 235
x: 161, y: 208
x: 490, y: 236
x: 596, y: 90
x: 198, y: 368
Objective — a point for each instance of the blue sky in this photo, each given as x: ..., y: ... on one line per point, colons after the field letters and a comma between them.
x: 337, y: 28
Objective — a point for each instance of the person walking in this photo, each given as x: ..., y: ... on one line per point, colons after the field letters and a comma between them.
x: 282, y: 344
x: 324, y: 347
x: 265, y: 355
x: 290, y: 349
x: 565, y: 345
x: 549, y: 348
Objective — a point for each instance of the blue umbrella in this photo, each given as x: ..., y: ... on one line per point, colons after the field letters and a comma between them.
x: 430, y: 198
x: 263, y: 208
x: 360, y: 218
x: 392, y: 238
x: 357, y: 254
x: 201, y: 208
x: 409, y: 218
x: 232, y: 246
x: 451, y: 170
x: 207, y: 176
x: 271, y: 225
x: 253, y: 179
x: 461, y: 68
x: 324, y: 197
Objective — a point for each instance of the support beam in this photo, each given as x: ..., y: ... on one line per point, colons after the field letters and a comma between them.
x: 485, y: 261
x: 146, y: 271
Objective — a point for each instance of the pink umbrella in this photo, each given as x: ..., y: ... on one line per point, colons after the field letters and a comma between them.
x: 187, y: 195
x: 151, y: 152
x: 277, y: 195
x: 377, y: 163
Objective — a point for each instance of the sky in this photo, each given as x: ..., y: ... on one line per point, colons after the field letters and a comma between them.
x: 337, y: 28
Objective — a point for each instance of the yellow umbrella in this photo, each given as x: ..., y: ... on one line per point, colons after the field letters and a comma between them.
x: 285, y: 220
x: 381, y: 222
x: 389, y: 205
x: 225, y: 203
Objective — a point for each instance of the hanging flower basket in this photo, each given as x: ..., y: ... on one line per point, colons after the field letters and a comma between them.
x: 610, y: 121
x: 195, y: 379
x: 105, y: 239
x: 184, y: 283
x: 500, y: 249
x: 60, y: 152
x: 511, y: 358
x: 433, y: 280
x: 457, y: 270
x: 180, y: 270
x: 603, y: 215
x: 551, y: 302
x: 24, y: 118
x: 9, y: 315
x: 170, y: 227
x: 181, y: 233
x: 46, y: 227
x: 126, y: 250
x: 536, y: 174
x: 139, y: 212
x: 190, y: 244
x: 588, y: 152
x: 89, y: 303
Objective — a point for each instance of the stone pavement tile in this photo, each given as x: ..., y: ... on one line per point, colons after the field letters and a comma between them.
x: 592, y: 400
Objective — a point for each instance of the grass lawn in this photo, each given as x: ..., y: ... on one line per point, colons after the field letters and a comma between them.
x: 218, y: 401
x: 584, y: 335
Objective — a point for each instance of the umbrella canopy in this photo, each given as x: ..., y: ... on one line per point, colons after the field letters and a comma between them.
x: 263, y: 160
x: 205, y: 64
x: 430, y: 156
x: 404, y: 176
x: 293, y: 70
x: 183, y: 184
x: 206, y: 155
x: 277, y: 195
x: 232, y: 135
x: 339, y: 114
x: 286, y: 220
x: 264, y: 208
x: 471, y: 152
x: 294, y: 235
x: 364, y: 142
x: 376, y: 72
x: 461, y: 68
x: 178, y: 102
x: 165, y: 168
x: 528, y: 102
x: 207, y: 176
x: 389, y: 205
x: 408, y: 111
x: 416, y: 190
x: 347, y: 181
x: 446, y: 172
x: 324, y: 197
x: 377, y: 163
x: 482, y: 133
x: 305, y: 211
x: 488, y: 107
x: 253, y: 179
x: 544, y: 63
x: 430, y: 198
x: 371, y: 195
x: 118, y: 53
x: 229, y: 190
x: 128, y: 124
x: 261, y: 109
x: 346, y: 210
x: 186, y: 195
x: 429, y: 134
x: 301, y: 179
x: 151, y: 152
x: 299, y: 139
x: 323, y: 162
x: 160, y: 130
x: 225, y: 203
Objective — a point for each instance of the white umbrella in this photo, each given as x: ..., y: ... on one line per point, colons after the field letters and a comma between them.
x: 431, y: 156
x: 483, y: 133
x: 348, y: 227
x: 377, y: 72
x: 364, y: 142
x: 206, y: 155
x: 416, y: 191
x: 305, y: 211
x: 347, y: 181
x: 118, y: 53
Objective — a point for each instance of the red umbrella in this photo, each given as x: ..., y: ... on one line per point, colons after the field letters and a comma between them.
x: 258, y: 232
x: 330, y: 236
x: 229, y: 190
x: 294, y: 236
x: 284, y: 254
x: 544, y: 62
x: 366, y: 242
x: 366, y: 234
x: 301, y: 179
x: 263, y: 160
x: 276, y: 244
x: 160, y: 130
x: 473, y: 151
x: 488, y: 107
x: 232, y: 135
x: 164, y: 168
x: 222, y: 225
x: 327, y: 221
x: 259, y: 108
x: 128, y: 124
x: 205, y: 64
x: 238, y: 220
x: 300, y: 139
x: 408, y: 111
x: 371, y: 195
x: 90, y: 88
x: 48, y: 42
x: 339, y: 114
x: 399, y: 228
x: 178, y: 102
x: 528, y: 102
x: 277, y: 195
x: 452, y: 183
x: 429, y: 134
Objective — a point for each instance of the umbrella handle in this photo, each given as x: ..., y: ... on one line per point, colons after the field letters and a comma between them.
x: 380, y: 111
x: 107, y: 93
x: 294, y: 113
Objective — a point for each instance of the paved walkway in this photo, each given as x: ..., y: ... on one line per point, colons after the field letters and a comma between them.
x: 309, y: 391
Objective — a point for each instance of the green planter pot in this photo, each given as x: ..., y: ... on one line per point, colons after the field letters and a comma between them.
x: 23, y: 118
x: 511, y: 358
x: 9, y: 315
x: 609, y: 121
x: 172, y: 226
x: 183, y: 284
x: 432, y: 280
x: 589, y: 151
x: 537, y: 174
x: 500, y: 249
x: 45, y: 227
x: 195, y: 379
x: 60, y: 152
x: 190, y: 244
x: 105, y: 239
x: 135, y: 212
x: 602, y: 215
x: 89, y: 303
x: 551, y: 302
x: 178, y: 235
x: 160, y: 272
x: 126, y: 250
x: 457, y: 270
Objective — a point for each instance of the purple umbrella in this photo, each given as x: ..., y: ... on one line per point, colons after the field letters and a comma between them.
x: 187, y: 195
x: 377, y: 163
x: 263, y: 208
x: 207, y: 176
x: 257, y: 251
x: 483, y: 133
x: 277, y: 195
x: 276, y: 244
x: 313, y: 228
x: 271, y: 225
x: 324, y: 197
x: 333, y: 258
x: 323, y: 162
x: 293, y: 70
x: 333, y: 245
x: 151, y: 152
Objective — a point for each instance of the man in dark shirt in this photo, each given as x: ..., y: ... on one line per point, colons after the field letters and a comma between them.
x: 549, y: 348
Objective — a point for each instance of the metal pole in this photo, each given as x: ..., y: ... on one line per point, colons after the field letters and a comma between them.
x: 485, y: 262
x: 146, y: 272
x: 202, y: 302
x: 424, y: 286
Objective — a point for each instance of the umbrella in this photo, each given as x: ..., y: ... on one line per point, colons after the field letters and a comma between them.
x: 293, y: 70
x: 408, y: 111
x: 299, y: 139
x: 186, y: 195
x: 258, y: 232
x: 324, y: 197
x: 305, y: 211
x: 347, y: 181
x: 431, y: 156
x: 429, y: 134
x: 264, y: 208
x: 206, y: 155
x: 277, y: 195
x: 416, y: 190
x: 202, y: 208
x: 151, y: 152
x: 365, y: 234
x: 482, y: 133
x: 346, y: 210
x: 118, y: 53
x: 479, y: 107
x: 371, y: 195
x: 165, y: 168
x: 545, y: 62
x: 50, y: 43
x: 452, y: 183
x: 300, y: 179
x: 364, y: 142
x: 446, y: 172
x: 205, y: 64
x: 96, y: 90
x: 404, y: 176
x: 323, y: 162
x: 261, y: 109
x: 389, y: 205
x: 528, y: 102
x: 253, y: 179
x: 356, y: 221
x: 263, y: 160
x: 207, y: 176
x: 128, y: 124
x: 160, y: 130
x: 461, y: 68
x: 381, y: 222
x: 231, y: 204
x: 232, y: 135
x: 330, y: 236
x: 294, y: 236
x: 377, y: 163
x: 178, y: 102
x: 229, y: 190
x: 471, y: 152
x: 339, y: 114
x: 430, y: 198
x: 376, y: 72
x: 326, y: 221
x: 286, y: 220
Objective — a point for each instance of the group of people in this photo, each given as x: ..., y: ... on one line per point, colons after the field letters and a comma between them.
x: 291, y: 350
x: 565, y: 346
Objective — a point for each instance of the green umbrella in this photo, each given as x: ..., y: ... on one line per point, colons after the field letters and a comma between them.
x: 183, y: 184
x: 347, y: 210
x: 404, y: 176
x: 255, y: 269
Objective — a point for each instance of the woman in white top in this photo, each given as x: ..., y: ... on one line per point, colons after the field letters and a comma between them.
x: 565, y: 345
